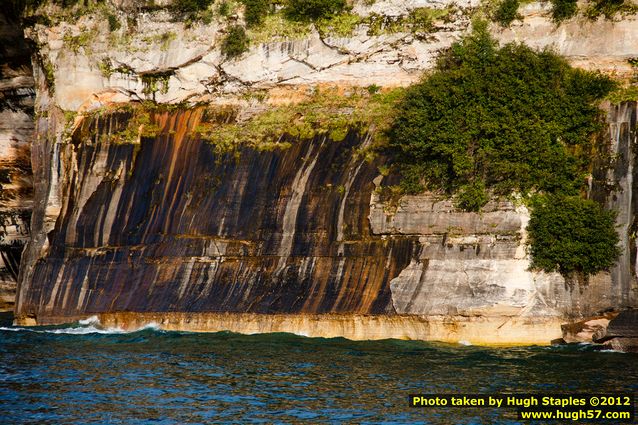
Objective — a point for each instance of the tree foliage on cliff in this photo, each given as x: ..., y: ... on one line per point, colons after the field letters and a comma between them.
x: 506, y: 12
x: 563, y: 9
x: 255, y: 11
x: 610, y: 8
x: 571, y: 235
x: 235, y: 43
x: 192, y: 5
x: 312, y: 10
x: 512, y: 118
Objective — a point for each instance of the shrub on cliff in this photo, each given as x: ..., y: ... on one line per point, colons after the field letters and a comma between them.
x: 511, y: 119
x: 573, y: 236
x: 610, y: 8
x: 515, y: 119
x: 506, y: 12
x: 187, y: 6
x: 235, y: 43
x: 312, y: 10
x: 472, y: 196
x: 563, y: 9
x: 255, y: 11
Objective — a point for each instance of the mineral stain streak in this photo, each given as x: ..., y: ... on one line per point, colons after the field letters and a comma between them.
x: 164, y: 201
x: 168, y: 228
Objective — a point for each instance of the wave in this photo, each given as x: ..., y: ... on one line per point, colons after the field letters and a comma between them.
x: 86, y: 326
x: 93, y: 320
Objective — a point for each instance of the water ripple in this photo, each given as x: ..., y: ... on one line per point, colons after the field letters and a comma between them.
x: 89, y: 375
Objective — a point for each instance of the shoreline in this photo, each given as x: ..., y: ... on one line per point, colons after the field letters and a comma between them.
x: 472, y: 330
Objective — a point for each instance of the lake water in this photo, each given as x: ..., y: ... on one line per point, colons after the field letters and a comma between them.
x: 86, y: 375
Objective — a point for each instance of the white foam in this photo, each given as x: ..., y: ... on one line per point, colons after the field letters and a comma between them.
x: 84, y: 331
x: 466, y: 343
x: 151, y: 326
x: 93, y: 320
x: 611, y: 350
x: 86, y: 326
x: 2, y: 328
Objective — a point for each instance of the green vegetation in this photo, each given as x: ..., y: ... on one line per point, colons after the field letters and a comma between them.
x: 276, y: 27
x: 326, y: 112
x: 628, y: 92
x: 190, y: 6
x: 506, y: 12
x: 191, y: 11
x: 506, y: 120
x: 472, y: 196
x: 341, y: 25
x: 422, y: 19
x: 610, y: 8
x: 163, y: 40
x: 623, y: 94
x: 516, y: 119
x: 373, y: 89
x: 312, y: 10
x: 154, y: 82
x: 573, y: 236
x: 17, y: 8
x: 128, y: 122
x: 255, y: 11
x: 33, y: 11
x: 235, y: 43
x: 419, y: 21
x: 107, y: 69
x: 82, y: 40
x: 48, y: 70
x: 563, y: 9
x: 265, y: 20
x: 331, y: 17
x: 114, y: 22
x: 224, y: 9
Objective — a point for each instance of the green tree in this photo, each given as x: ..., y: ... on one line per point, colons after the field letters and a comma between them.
x: 312, y: 10
x: 235, y: 43
x: 573, y: 236
x: 187, y: 6
x: 472, y: 196
x: 506, y: 13
x: 563, y: 9
x: 513, y: 118
x: 256, y: 10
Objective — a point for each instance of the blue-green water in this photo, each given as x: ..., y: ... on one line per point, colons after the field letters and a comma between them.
x: 79, y: 376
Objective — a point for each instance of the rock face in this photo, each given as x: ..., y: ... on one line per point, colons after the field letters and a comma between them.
x: 91, y: 63
x: 169, y: 225
x: 621, y: 333
x: 16, y: 132
x: 169, y: 228
x: 616, y: 187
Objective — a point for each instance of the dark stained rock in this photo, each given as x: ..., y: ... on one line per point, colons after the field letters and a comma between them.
x: 17, y: 94
x: 172, y: 224
x: 621, y: 333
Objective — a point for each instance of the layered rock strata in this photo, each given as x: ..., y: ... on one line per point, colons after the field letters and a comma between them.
x: 621, y: 332
x: 17, y: 96
x: 167, y: 227
x: 169, y: 224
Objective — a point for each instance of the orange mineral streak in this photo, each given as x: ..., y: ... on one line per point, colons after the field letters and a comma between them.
x: 177, y: 131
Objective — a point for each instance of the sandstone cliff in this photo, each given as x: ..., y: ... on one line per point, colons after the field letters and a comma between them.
x: 16, y: 134
x: 165, y: 223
